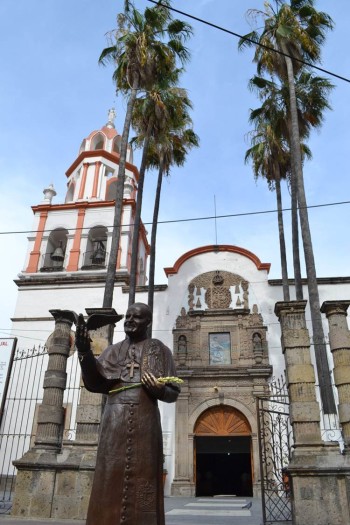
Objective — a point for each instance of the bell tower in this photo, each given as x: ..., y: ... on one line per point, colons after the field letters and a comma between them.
x: 72, y: 239
x: 68, y: 251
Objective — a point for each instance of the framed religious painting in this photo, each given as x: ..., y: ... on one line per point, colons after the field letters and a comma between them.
x: 220, y: 348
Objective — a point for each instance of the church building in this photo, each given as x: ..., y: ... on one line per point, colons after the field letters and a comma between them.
x: 216, y: 314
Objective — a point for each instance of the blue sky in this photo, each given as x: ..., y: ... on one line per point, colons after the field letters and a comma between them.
x: 53, y: 94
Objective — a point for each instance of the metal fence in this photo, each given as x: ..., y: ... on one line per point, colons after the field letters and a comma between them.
x: 275, y: 442
x: 19, y: 422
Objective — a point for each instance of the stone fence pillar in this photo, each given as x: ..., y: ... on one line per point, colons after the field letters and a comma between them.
x: 304, y: 408
x: 51, y: 412
x: 339, y: 339
x: 319, y: 473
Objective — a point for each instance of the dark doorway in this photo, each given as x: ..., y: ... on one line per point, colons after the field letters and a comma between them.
x: 223, y: 466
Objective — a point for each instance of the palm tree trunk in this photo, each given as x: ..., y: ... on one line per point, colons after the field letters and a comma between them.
x: 284, y: 268
x: 152, y: 259
x: 295, y: 236
x: 137, y: 218
x: 118, y: 208
x: 324, y: 378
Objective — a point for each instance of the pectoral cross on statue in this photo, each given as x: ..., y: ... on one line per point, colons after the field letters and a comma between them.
x: 132, y: 366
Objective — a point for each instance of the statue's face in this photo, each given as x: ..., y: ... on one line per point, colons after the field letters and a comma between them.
x: 136, y: 321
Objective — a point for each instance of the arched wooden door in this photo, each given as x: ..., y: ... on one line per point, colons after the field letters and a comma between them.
x: 222, y: 455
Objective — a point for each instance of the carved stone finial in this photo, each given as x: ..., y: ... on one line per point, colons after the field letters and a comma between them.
x: 49, y: 193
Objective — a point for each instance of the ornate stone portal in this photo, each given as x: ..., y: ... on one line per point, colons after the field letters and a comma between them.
x: 221, y: 353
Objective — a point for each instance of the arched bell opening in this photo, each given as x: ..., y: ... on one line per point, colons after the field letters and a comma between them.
x: 70, y: 192
x: 95, y: 256
x: 97, y: 142
x: 223, y: 453
x: 54, y: 258
x: 82, y: 146
x: 111, y: 189
x: 116, y: 144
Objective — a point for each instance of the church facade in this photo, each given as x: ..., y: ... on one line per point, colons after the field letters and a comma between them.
x: 216, y: 314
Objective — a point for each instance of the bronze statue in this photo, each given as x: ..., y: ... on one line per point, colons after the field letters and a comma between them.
x: 128, y: 487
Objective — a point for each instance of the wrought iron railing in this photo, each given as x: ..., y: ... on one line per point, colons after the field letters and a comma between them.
x: 275, y: 444
x: 19, y: 422
x: 330, y: 426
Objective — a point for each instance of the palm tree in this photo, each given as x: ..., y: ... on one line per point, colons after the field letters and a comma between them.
x: 170, y: 151
x: 297, y: 30
x: 271, y: 160
x: 270, y: 156
x: 312, y: 99
x: 141, y: 57
x: 151, y: 113
x: 160, y: 110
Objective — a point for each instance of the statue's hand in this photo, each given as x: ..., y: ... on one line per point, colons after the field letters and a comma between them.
x: 155, y: 387
x: 82, y: 339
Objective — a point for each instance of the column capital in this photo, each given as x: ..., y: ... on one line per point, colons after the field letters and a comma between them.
x: 103, y: 336
x: 63, y: 316
x: 289, y: 307
x: 335, y: 307
x: 108, y: 311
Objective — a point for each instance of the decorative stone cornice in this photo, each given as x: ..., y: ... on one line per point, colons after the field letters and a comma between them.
x: 217, y: 248
x: 79, y: 277
x: 289, y: 307
x: 335, y: 307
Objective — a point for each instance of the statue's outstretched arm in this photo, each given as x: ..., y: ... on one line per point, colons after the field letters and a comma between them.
x: 93, y: 380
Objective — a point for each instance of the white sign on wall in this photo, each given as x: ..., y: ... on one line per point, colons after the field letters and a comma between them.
x: 7, y: 347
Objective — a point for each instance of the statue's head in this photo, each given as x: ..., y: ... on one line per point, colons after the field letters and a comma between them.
x: 137, y: 320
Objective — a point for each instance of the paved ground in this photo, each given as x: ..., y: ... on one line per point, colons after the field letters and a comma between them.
x: 184, y: 511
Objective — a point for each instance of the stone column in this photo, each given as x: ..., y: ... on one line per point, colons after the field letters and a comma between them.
x: 319, y: 473
x: 51, y: 412
x: 339, y: 339
x: 183, y: 481
x: 304, y: 408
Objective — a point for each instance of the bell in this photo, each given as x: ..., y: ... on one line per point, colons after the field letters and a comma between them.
x: 99, y: 255
x: 58, y: 254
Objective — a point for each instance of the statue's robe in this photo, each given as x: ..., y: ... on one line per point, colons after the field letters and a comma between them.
x: 128, y: 481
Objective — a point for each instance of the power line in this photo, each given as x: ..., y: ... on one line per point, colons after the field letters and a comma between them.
x: 190, y: 219
x: 220, y: 28
x: 270, y: 347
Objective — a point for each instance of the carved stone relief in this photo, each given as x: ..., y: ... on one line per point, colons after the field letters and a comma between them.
x: 215, y: 288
